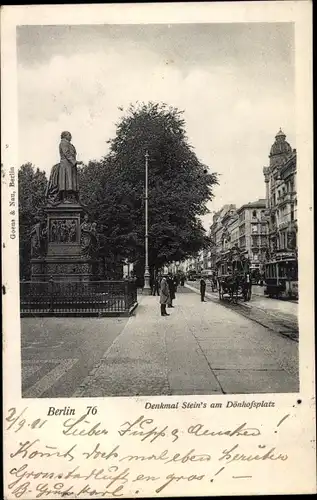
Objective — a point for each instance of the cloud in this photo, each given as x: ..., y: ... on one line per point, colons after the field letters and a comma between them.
x: 231, y: 119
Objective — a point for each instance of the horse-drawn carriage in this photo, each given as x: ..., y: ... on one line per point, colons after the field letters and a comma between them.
x: 234, y: 280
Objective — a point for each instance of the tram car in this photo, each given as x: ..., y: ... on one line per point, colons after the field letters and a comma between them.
x: 281, y: 278
x: 234, y: 277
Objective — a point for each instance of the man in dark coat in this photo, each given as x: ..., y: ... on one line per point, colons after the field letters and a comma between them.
x: 164, y: 296
x: 172, y: 289
x: 202, y: 289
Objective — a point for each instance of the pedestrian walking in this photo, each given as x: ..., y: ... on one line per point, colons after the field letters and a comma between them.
x: 202, y: 289
x: 171, y: 287
x: 164, y: 296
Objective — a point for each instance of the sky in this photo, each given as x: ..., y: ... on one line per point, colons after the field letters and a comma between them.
x: 235, y: 83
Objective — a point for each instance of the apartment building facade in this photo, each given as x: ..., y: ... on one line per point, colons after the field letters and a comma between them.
x: 220, y: 233
x: 244, y: 228
x: 281, y: 199
x: 253, y: 233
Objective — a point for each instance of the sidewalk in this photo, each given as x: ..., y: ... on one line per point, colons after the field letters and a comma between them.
x: 201, y: 348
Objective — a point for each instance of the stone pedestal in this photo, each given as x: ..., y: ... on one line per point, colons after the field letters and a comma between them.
x: 64, y: 259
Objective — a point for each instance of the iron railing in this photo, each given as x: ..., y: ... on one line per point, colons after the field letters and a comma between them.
x: 77, y: 298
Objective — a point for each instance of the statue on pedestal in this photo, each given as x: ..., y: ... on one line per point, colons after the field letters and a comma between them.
x: 64, y: 246
x: 63, y: 182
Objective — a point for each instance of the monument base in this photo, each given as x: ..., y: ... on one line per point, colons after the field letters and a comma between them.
x: 70, y: 269
x: 68, y: 250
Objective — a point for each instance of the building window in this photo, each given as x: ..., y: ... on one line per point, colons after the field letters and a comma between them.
x: 284, y: 241
x: 242, y: 242
x: 254, y: 213
x: 254, y: 228
x: 254, y: 241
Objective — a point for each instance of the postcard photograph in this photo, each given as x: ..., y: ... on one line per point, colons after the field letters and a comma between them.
x: 157, y: 250
x: 157, y: 209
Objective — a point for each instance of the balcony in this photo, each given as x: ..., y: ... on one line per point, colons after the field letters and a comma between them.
x: 285, y: 198
x: 265, y: 218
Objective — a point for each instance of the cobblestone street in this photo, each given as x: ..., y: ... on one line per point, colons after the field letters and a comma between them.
x: 201, y: 348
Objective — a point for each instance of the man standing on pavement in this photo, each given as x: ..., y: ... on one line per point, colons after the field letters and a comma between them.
x: 171, y: 287
x: 202, y: 289
x: 164, y: 296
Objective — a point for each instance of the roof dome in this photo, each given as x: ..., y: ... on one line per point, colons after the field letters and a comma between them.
x: 280, y: 133
x: 280, y: 146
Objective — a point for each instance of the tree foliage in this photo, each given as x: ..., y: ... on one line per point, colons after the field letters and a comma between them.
x: 113, y: 191
x: 32, y: 185
x: 179, y: 188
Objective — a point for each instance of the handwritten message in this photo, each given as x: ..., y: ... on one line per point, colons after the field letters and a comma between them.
x: 84, y: 456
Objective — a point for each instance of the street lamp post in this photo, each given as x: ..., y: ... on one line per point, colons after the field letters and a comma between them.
x: 147, y: 288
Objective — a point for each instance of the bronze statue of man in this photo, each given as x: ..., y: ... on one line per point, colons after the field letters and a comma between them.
x: 68, y: 176
x: 63, y: 182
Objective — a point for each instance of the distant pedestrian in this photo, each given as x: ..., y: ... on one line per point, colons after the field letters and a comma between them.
x: 182, y: 281
x: 172, y: 289
x: 156, y: 286
x: 202, y: 289
x: 164, y: 296
x: 176, y: 283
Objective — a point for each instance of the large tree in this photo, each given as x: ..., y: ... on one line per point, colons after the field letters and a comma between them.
x: 179, y: 188
x: 32, y: 185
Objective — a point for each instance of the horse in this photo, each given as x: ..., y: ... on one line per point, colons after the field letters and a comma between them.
x: 229, y: 285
